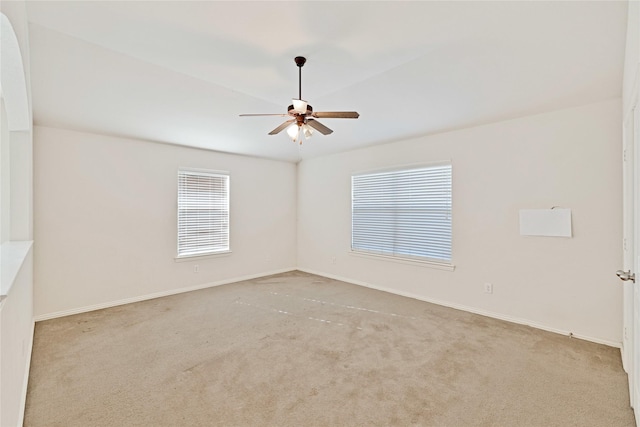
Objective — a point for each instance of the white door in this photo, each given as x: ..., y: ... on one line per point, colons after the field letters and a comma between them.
x: 634, y: 292
x: 628, y: 246
x: 631, y: 251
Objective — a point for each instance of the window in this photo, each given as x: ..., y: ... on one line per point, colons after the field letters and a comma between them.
x: 403, y: 213
x: 203, y: 213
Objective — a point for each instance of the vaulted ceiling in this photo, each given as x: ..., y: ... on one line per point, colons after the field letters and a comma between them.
x: 181, y: 72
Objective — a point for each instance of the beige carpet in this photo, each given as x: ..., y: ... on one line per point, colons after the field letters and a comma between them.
x: 302, y: 350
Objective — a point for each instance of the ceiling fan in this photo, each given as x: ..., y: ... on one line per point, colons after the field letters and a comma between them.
x: 303, y: 119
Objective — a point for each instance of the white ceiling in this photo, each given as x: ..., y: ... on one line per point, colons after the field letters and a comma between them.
x: 181, y: 72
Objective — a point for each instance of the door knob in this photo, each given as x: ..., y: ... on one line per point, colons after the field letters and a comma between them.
x: 626, y: 275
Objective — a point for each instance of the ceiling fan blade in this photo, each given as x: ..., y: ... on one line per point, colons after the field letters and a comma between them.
x: 336, y: 115
x: 319, y: 126
x: 299, y: 106
x: 254, y: 115
x: 281, y: 127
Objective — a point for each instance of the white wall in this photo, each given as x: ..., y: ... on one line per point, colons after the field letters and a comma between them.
x: 5, y: 176
x: 569, y: 158
x: 631, y: 56
x: 16, y: 335
x: 21, y: 195
x: 105, y: 220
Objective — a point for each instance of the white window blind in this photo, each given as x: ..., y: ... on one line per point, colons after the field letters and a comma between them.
x: 203, y: 213
x: 403, y: 213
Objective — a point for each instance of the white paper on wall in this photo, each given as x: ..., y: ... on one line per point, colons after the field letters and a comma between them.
x: 545, y: 222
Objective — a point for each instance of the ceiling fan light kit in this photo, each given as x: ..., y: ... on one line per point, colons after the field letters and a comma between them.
x: 303, y: 121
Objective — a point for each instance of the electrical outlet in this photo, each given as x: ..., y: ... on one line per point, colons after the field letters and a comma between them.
x: 196, y: 268
x: 333, y: 260
x: 488, y: 288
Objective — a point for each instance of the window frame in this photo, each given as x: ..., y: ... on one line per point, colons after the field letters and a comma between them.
x: 211, y: 253
x: 443, y: 264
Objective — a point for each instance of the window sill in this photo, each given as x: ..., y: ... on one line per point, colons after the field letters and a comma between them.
x: 420, y: 263
x: 203, y: 256
x: 12, y: 256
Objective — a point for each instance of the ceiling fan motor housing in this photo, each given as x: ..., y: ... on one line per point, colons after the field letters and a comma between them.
x: 293, y: 113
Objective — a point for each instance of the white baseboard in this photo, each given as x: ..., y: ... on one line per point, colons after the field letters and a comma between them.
x: 25, y: 381
x: 156, y: 295
x: 474, y: 310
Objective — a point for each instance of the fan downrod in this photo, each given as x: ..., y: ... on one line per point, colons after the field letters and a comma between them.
x: 300, y: 60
